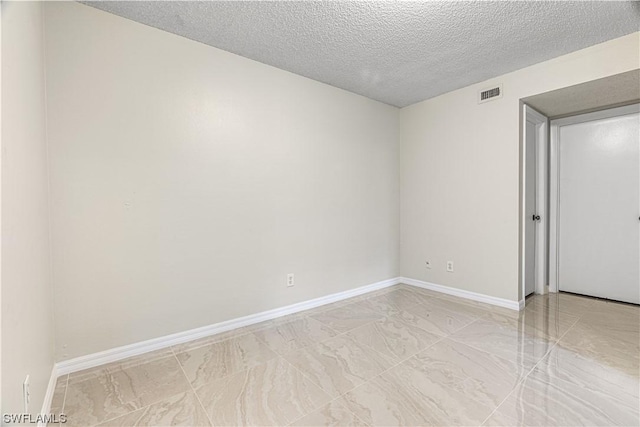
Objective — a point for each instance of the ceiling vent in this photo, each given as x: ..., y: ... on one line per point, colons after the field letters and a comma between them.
x: 490, y: 94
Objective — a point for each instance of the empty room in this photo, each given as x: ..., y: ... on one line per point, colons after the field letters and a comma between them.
x: 320, y: 213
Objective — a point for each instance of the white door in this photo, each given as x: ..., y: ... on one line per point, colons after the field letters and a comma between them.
x: 599, y: 207
x: 534, y: 242
x: 530, y: 212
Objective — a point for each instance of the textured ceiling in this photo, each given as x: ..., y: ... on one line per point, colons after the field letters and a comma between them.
x: 395, y: 52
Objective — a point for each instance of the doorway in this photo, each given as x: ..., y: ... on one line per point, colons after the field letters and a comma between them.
x: 595, y: 204
x: 607, y: 95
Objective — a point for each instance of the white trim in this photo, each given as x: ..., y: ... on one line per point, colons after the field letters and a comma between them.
x: 541, y: 123
x: 119, y: 353
x: 48, y: 396
x: 542, y: 229
x: 474, y: 296
x: 598, y: 115
x: 554, y: 179
x: 554, y: 205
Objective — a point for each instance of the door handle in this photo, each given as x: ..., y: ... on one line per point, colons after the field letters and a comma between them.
x: 536, y: 217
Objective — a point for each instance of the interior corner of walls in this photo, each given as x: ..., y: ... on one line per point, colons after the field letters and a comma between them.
x: 26, y: 267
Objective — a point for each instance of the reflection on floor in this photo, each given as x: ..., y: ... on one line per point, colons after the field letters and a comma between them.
x: 399, y: 356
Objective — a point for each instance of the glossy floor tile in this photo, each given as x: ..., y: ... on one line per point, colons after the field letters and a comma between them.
x: 273, y: 393
x: 561, y: 302
x: 339, y: 364
x: 620, y: 349
x: 295, y: 335
x: 181, y: 409
x: 118, y: 392
x: 223, y: 358
x: 409, y: 394
x: 397, y: 356
x: 347, y: 317
x: 506, y: 340
x: 394, y: 337
x: 483, y: 377
x: 571, y: 367
x: 546, y: 400
x: 394, y: 301
x: 551, y: 325
x: 105, y: 369
x: 447, y: 384
x: 439, y: 317
x: 331, y: 414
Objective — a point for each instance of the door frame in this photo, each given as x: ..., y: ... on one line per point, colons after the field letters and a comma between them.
x: 554, y: 179
x: 542, y: 131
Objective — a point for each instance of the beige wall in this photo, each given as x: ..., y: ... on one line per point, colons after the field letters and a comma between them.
x: 187, y: 182
x: 27, y: 299
x: 460, y: 169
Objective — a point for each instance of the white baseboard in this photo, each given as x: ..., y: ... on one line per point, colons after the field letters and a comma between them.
x: 500, y: 302
x: 48, y: 396
x: 119, y: 353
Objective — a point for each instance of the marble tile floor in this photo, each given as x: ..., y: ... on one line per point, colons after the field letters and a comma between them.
x: 398, y: 356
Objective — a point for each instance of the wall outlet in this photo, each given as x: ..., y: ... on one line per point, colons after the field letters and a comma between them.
x: 26, y: 394
x: 450, y: 266
x: 290, y: 281
x: 427, y: 264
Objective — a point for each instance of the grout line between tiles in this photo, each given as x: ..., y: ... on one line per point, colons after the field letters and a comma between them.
x: 337, y: 334
x: 403, y: 360
x: 366, y: 381
x: 326, y: 404
x: 395, y: 365
x: 155, y: 401
x: 206, y: 413
x: 383, y: 372
x: 441, y: 337
x: 64, y: 398
x: 122, y: 415
x: 303, y: 374
x: 120, y: 368
x: 532, y: 369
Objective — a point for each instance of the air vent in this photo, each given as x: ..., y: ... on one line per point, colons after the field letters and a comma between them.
x: 490, y: 94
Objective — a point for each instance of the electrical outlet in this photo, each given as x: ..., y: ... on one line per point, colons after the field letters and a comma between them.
x: 290, y: 281
x: 26, y: 394
x: 427, y: 264
x: 450, y: 266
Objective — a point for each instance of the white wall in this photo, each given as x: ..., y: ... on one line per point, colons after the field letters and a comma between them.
x: 460, y: 171
x: 27, y: 298
x: 187, y: 182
